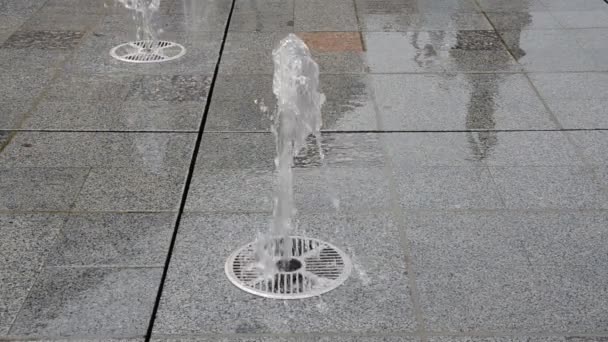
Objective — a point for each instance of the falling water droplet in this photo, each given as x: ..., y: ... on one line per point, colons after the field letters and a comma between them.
x: 261, y: 105
x: 322, y: 307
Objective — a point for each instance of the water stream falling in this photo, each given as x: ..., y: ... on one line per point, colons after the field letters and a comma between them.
x: 297, y: 116
x: 143, y: 12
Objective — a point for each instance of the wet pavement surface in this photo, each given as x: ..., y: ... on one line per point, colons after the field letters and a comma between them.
x: 465, y: 140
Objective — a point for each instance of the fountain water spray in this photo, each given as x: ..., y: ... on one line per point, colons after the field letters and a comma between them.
x: 279, y: 265
x: 147, y: 48
x: 143, y: 10
x: 298, y: 114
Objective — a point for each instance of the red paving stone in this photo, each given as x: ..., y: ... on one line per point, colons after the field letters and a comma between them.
x: 333, y: 41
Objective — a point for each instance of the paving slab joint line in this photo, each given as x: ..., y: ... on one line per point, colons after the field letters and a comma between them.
x: 291, y: 335
x: 406, y: 249
x: 52, y: 243
x: 190, y: 174
x: 498, y: 192
x: 475, y: 72
x: 542, y: 100
x: 106, y: 266
x: 586, y: 162
x: 69, y: 338
x: 29, y: 291
x: 502, y: 41
x: 76, y: 212
x: 398, y: 213
x: 327, y: 132
x: 363, y: 48
x: 516, y: 334
x: 38, y: 130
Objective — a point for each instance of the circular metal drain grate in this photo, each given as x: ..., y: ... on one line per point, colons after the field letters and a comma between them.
x: 315, y: 267
x: 148, y: 51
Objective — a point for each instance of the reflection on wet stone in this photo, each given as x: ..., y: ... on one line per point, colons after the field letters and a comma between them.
x: 480, y: 114
x: 522, y: 20
x: 481, y: 144
x: 60, y: 40
x: 484, y: 89
x: 171, y: 88
x: 403, y: 22
x: 263, y: 16
x: 4, y: 135
x: 414, y: 6
x: 349, y: 105
x: 378, y: 7
x: 477, y: 40
x: 342, y: 150
x: 513, y: 39
x: 335, y: 110
x: 425, y: 51
x: 309, y: 156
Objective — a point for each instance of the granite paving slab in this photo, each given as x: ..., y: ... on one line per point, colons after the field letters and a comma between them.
x: 576, y: 99
x: 447, y: 188
x: 98, y: 239
x: 158, y: 188
x: 337, y: 15
x: 512, y: 6
x: 146, y: 151
x: 102, y: 302
x: 457, y: 102
x: 515, y: 299
x: 263, y: 16
x: 523, y: 20
x: 114, y: 116
x: 573, y: 187
x: 46, y: 40
x: 437, y: 51
x: 316, y: 338
x: 206, y: 303
x: 40, y: 188
x: 548, y: 50
x: 413, y: 6
x: 582, y: 19
x: 25, y: 241
x: 404, y: 21
x: 592, y: 146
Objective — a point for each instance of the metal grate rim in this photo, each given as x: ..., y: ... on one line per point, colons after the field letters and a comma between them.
x: 322, y: 268
x: 148, y: 51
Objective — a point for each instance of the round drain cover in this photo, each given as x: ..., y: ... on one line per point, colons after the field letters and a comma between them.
x: 315, y: 267
x: 148, y: 51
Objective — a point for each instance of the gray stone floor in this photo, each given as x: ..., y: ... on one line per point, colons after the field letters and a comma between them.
x: 465, y: 139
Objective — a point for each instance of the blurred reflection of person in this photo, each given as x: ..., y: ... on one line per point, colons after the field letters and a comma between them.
x: 480, y: 122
